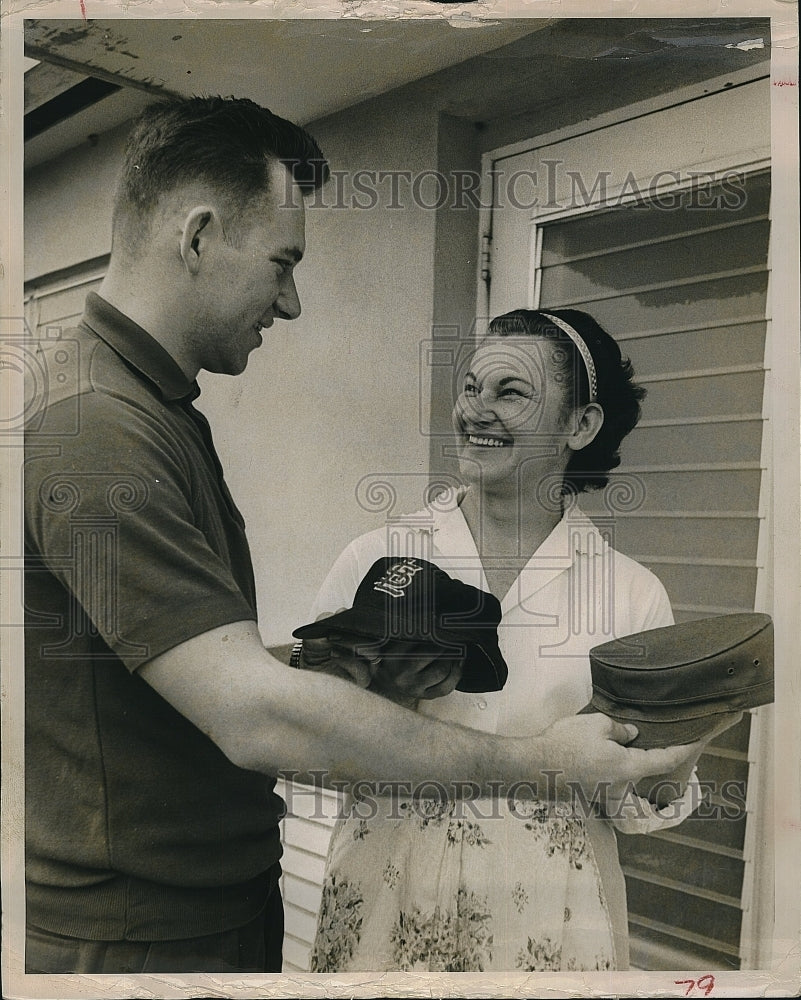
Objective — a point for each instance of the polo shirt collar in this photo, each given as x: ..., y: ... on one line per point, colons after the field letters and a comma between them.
x: 138, y: 348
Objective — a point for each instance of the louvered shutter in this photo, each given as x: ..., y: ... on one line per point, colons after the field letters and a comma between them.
x: 684, y: 293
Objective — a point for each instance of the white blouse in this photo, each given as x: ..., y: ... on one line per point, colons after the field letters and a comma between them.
x: 575, y: 592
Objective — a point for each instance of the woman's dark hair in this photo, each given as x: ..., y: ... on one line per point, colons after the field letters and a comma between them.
x: 618, y: 395
x: 226, y: 142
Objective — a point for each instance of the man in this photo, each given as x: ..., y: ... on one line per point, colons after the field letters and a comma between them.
x: 154, y: 713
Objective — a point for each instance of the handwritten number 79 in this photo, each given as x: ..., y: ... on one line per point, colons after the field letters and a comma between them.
x: 705, y: 984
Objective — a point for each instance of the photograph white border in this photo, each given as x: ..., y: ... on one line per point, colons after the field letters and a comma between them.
x: 782, y: 979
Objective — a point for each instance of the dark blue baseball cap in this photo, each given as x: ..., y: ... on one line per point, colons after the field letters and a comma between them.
x: 412, y: 600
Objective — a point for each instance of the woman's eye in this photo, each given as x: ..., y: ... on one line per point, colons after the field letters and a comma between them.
x: 470, y: 389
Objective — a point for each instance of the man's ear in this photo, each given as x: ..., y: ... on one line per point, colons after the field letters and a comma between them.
x: 588, y: 420
x: 194, y: 236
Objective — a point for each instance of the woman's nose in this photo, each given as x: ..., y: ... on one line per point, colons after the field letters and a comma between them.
x: 480, y: 406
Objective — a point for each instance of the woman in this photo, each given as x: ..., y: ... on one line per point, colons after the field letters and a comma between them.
x: 456, y: 886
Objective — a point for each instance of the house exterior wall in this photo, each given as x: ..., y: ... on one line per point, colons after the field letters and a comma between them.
x: 347, y: 397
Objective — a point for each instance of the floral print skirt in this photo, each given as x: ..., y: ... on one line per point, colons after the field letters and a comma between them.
x: 461, y: 887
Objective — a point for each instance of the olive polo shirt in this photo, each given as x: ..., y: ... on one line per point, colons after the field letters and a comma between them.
x: 137, y: 825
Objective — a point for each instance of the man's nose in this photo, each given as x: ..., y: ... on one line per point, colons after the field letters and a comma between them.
x: 287, y: 305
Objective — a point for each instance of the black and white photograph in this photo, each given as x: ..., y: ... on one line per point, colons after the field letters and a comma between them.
x: 401, y: 532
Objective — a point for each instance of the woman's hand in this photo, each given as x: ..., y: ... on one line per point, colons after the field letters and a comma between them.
x: 403, y: 672
x: 664, y: 788
x: 322, y: 656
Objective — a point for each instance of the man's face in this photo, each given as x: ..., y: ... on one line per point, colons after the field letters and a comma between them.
x: 249, y: 281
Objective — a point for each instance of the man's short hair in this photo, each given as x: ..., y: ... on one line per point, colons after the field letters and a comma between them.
x: 227, y: 143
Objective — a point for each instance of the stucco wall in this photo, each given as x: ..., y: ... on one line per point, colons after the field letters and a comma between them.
x: 68, y: 205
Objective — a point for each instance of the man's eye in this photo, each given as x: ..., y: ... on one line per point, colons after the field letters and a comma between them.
x: 470, y: 389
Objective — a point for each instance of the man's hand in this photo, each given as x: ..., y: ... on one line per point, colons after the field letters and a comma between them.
x: 590, y: 750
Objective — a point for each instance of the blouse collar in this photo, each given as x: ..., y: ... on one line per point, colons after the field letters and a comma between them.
x: 574, y: 537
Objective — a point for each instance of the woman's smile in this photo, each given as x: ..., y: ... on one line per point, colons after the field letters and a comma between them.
x: 487, y: 441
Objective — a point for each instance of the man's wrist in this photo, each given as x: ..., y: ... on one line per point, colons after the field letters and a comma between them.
x: 517, y: 760
x: 281, y: 653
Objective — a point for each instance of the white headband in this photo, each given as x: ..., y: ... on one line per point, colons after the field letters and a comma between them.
x: 583, y: 350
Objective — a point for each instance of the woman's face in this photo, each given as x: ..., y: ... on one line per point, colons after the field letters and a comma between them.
x: 511, y: 415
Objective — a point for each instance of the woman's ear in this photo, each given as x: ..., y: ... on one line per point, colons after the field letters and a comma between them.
x: 194, y: 233
x: 588, y: 421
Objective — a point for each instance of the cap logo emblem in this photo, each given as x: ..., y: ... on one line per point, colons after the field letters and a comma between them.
x: 397, y: 578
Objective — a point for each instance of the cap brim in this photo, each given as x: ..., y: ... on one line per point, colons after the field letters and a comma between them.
x: 358, y: 623
x: 657, y: 735
x: 374, y: 626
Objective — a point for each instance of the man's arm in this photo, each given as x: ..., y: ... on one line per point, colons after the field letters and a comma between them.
x: 282, y: 653
x: 267, y: 717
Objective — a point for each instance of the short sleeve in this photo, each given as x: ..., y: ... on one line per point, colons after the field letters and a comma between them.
x: 657, y: 611
x: 118, y: 519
